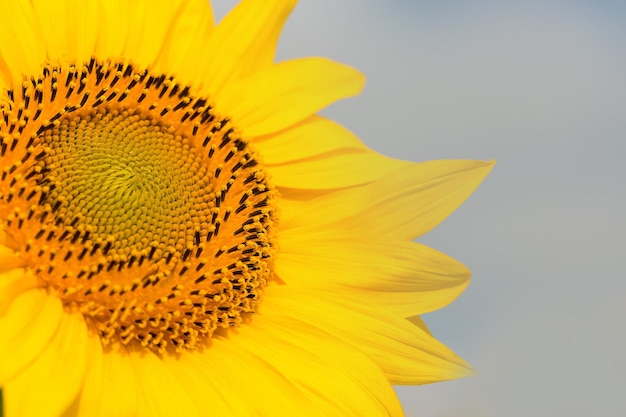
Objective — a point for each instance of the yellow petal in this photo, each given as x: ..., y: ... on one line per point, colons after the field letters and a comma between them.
x: 240, y: 372
x: 332, y: 377
x: 422, y: 196
x: 243, y: 42
x: 286, y: 93
x: 183, y: 51
x: 21, y: 49
x: 80, y: 25
x: 27, y: 324
x: 210, y: 383
x: 135, y: 29
x: 311, y: 137
x: 127, y: 381
x: 405, y: 353
x: 60, y: 366
x: 405, y: 277
x: 343, y: 168
x: 13, y: 282
x: 111, y: 386
x: 405, y: 204
x: 150, y: 28
x: 162, y: 388
x: 419, y: 322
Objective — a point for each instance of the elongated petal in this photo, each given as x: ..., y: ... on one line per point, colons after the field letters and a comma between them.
x: 319, y: 154
x: 111, y: 386
x: 33, y: 309
x: 135, y: 29
x: 423, y: 195
x: 263, y: 386
x: 338, y: 169
x: 183, y: 52
x: 405, y: 204
x: 13, y: 282
x: 286, y: 93
x: 21, y: 49
x: 127, y: 381
x: 213, y: 383
x: 404, y: 277
x: 406, y: 353
x: 148, y: 22
x: 243, y: 42
x: 331, y: 377
x: 61, y: 365
x: 80, y: 22
x: 163, y: 393
x: 311, y: 137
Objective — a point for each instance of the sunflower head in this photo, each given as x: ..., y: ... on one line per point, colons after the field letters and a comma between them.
x: 135, y: 203
x: 145, y: 156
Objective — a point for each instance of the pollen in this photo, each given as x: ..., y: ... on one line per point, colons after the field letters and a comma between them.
x: 135, y: 203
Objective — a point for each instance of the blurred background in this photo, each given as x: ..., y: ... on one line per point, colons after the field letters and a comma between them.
x: 540, y: 86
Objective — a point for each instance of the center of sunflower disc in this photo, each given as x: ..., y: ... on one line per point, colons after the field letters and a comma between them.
x: 135, y: 204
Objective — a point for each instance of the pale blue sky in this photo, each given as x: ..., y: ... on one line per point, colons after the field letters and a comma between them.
x: 539, y: 86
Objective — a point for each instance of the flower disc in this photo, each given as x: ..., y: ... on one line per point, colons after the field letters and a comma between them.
x: 135, y: 203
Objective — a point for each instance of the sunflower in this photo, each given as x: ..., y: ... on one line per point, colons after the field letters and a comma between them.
x: 182, y: 234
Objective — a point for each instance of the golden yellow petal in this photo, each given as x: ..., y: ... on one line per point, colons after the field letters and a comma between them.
x: 21, y: 49
x: 419, y: 322
x: 313, y: 136
x: 164, y: 393
x: 135, y: 30
x: 20, y: 315
x: 150, y: 28
x: 80, y: 23
x: 283, y: 94
x: 51, y: 383
x: 421, y: 196
x: 332, y: 170
x: 243, y: 42
x: 111, y: 386
x: 183, y: 52
x: 264, y: 388
x: 13, y: 282
x: 332, y: 377
x: 152, y: 386
x: 208, y: 380
x: 405, y: 277
x: 405, y: 204
x: 405, y: 353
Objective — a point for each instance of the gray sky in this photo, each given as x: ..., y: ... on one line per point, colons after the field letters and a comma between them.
x: 539, y: 86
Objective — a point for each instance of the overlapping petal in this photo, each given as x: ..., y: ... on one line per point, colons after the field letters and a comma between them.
x: 183, y: 52
x: 49, y: 386
x: 242, y: 43
x: 21, y: 50
x: 111, y: 386
x: 403, y: 205
x: 405, y: 277
x: 82, y: 27
x: 405, y: 353
x: 280, y: 95
x: 311, y: 137
x: 29, y: 320
x: 330, y: 377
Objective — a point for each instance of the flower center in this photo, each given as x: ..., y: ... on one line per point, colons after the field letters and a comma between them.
x: 135, y: 204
